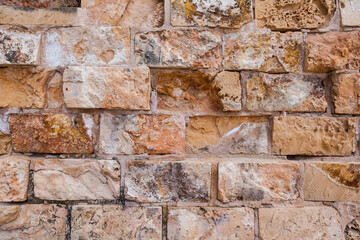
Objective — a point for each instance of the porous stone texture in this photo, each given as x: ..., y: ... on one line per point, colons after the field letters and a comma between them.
x: 350, y: 13
x: 179, y: 48
x: 32, y: 221
x: 210, y: 223
x: 14, y: 179
x: 190, y: 91
x: 313, y: 135
x: 19, y: 46
x: 258, y: 181
x: 24, y: 87
x: 299, y: 223
x: 213, y: 13
x: 332, y: 182
x: 228, y: 88
x: 52, y: 133
x: 42, y: 3
x: 352, y: 231
x: 346, y: 93
x: 126, y: 88
x: 5, y: 141
x: 332, y: 51
x: 263, y: 51
x: 285, y: 92
x: 115, y: 222
x: 139, y: 134
x: 155, y: 181
x: 227, y: 135
x: 55, y: 92
x: 76, y: 179
x: 293, y: 14
x: 95, y: 45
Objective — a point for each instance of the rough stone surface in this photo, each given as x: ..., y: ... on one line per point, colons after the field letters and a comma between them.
x: 300, y: 223
x: 228, y: 135
x: 258, y: 181
x: 115, y: 222
x: 352, y: 231
x: 228, y: 88
x: 32, y: 221
x: 293, y: 14
x: 285, y: 92
x: 5, y: 141
x: 52, y: 133
x: 126, y: 88
x: 233, y: 13
x: 210, y: 223
x: 332, y: 182
x: 314, y: 135
x: 139, y: 134
x: 263, y: 51
x: 24, y: 87
x: 179, y: 48
x: 350, y: 13
x: 186, y: 91
x: 19, y: 46
x: 346, y: 93
x: 76, y: 179
x: 332, y: 51
x: 94, y: 45
x: 154, y: 181
x: 55, y: 92
x: 42, y: 3
x: 14, y: 179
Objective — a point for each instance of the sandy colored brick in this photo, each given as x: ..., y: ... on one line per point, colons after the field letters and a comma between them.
x: 227, y: 135
x: 331, y: 51
x: 42, y: 3
x: 76, y: 179
x: 33, y: 221
x: 115, y: 222
x: 350, y: 13
x: 90, y: 45
x: 55, y: 92
x: 263, y: 51
x: 156, y: 181
x: 300, y: 223
x: 52, y: 133
x: 346, y: 93
x: 107, y: 87
x: 5, y: 142
x: 139, y: 134
x: 179, y: 48
x: 14, y: 179
x: 210, y: 223
x: 313, y: 135
x: 258, y: 181
x: 213, y: 13
x: 285, y: 92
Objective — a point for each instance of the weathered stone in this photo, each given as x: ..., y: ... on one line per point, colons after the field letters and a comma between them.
x: 210, y: 223
x: 228, y: 88
x: 52, y: 133
x: 314, y: 135
x: 332, y: 182
x: 32, y: 221
x: 125, y: 88
x: 76, y: 179
x: 55, y: 92
x: 154, y: 181
x: 352, y: 230
x: 227, y: 134
x: 14, y: 179
x: 299, y: 223
x: 138, y: 134
x: 42, y: 3
x: 346, y: 93
x: 179, y: 48
x: 258, y: 181
x: 19, y: 46
x: 350, y: 13
x: 186, y: 91
x: 5, y: 141
x: 285, y: 92
x: 213, y: 13
x: 263, y: 51
x: 115, y: 222
x: 87, y: 45
x: 293, y: 14
x: 332, y: 51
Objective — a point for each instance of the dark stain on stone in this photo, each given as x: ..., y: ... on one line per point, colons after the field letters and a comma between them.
x: 26, y: 9
x: 65, y: 9
x: 348, y: 175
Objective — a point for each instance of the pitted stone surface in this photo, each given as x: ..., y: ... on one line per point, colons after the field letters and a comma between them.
x: 346, y: 93
x: 42, y: 3
x: 350, y: 13
x: 352, y: 230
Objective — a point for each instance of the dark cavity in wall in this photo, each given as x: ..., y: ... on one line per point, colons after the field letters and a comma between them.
x: 42, y: 3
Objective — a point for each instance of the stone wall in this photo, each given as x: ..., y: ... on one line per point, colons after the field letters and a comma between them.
x: 179, y: 119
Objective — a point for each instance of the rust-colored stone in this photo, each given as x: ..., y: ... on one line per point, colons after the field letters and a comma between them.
x: 346, y: 93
